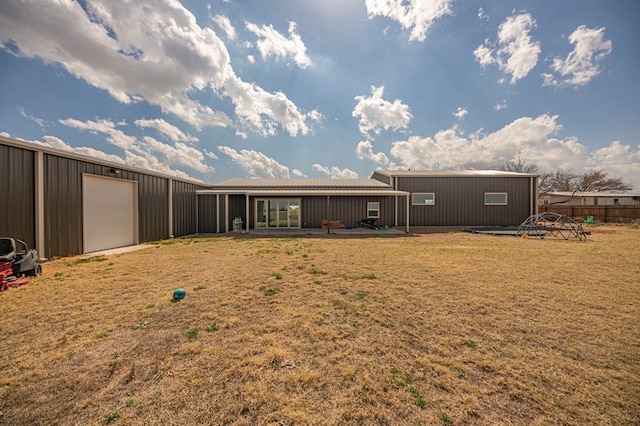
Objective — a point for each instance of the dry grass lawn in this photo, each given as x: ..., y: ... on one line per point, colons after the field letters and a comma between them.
x: 451, y: 328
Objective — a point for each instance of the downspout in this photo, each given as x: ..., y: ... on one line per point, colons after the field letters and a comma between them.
x: 39, y: 183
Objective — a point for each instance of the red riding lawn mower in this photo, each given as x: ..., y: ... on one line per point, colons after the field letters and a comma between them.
x: 15, y: 264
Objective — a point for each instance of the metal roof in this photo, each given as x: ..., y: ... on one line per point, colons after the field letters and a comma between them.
x: 300, y: 184
x: 451, y: 173
x: 38, y: 146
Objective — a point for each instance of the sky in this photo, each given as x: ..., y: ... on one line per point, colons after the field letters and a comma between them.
x: 221, y: 89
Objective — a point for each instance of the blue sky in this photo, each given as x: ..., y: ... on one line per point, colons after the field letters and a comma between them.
x: 326, y: 88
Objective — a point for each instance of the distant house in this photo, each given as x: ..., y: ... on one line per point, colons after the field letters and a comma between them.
x: 590, y: 199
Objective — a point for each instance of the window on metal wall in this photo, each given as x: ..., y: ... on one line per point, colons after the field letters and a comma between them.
x: 373, y: 209
x: 495, y: 198
x: 423, y: 199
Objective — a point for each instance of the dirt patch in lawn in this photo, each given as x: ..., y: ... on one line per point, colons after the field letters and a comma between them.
x: 449, y: 328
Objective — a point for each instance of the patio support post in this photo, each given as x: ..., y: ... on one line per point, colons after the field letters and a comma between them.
x: 247, y: 212
x: 226, y: 213
x: 217, y: 213
x: 407, y: 213
x: 328, y: 219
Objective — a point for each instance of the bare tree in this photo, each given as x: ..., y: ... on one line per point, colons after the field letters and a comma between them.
x: 598, y: 181
x: 519, y: 165
x: 565, y: 180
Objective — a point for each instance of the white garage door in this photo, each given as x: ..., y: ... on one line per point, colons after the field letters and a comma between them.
x: 109, y: 212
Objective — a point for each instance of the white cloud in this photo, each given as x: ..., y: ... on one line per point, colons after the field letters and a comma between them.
x: 376, y: 114
x: 272, y: 43
x: 482, y: 15
x: 500, y: 105
x: 484, y: 55
x: 256, y: 164
x: 365, y: 152
x: 517, y: 53
x: 38, y: 121
x: 335, y: 172
x: 225, y: 26
x: 582, y: 64
x: 298, y: 173
x: 148, y: 50
x: 145, y: 151
x: 166, y: 129
x: 461, y: 113
x: 619, y: 161
x: 262, y: 111
x: 57, y: 143
x: 415, y: 15
x: 178, y: 154
x: 527, y: 138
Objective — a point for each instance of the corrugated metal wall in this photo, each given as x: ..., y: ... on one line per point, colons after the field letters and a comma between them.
x: 153, y: 206
x: 348, y: 209
x: 351, y: 210
x: 184, y: 208
x: 237, y: 208
x: 17, y: 213
x: 207, y: 211
x: 459, y: 201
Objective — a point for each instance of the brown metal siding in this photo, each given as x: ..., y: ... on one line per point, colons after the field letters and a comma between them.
x: 153, y: 207
x: 17, y: 215
x: 184, y: 208
x: 237, y: 208
x: 207, y: 214
x: 351, y: 210
x: 313, y: 209
x: 459, y: 201
x: 63, y: 203
x: 62, y: 206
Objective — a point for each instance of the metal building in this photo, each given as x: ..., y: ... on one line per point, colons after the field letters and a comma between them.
x: 298, y: 203
x: 464, y: 198
x: 66, y: 204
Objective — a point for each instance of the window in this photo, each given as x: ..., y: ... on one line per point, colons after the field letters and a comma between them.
x: 373, y: 209
x: 495, y: 198
x: 424, y: 199
x: 278, y: 213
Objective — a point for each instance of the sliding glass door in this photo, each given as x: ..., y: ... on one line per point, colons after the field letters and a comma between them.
x: 278, y: 213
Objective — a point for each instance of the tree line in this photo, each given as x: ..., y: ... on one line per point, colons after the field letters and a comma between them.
x: 566, y: 181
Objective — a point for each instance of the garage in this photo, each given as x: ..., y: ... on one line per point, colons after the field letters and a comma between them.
x: 109, y: 212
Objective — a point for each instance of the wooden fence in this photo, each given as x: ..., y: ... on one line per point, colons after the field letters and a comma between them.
x: 602, y: 214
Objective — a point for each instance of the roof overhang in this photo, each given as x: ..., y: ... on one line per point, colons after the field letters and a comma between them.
x: 301, y: 192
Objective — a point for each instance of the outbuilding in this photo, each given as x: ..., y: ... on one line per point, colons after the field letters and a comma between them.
x: 464, y: 198
x: 65, y: 204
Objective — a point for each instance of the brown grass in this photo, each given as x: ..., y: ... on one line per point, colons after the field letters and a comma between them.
x: 433, y: 329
